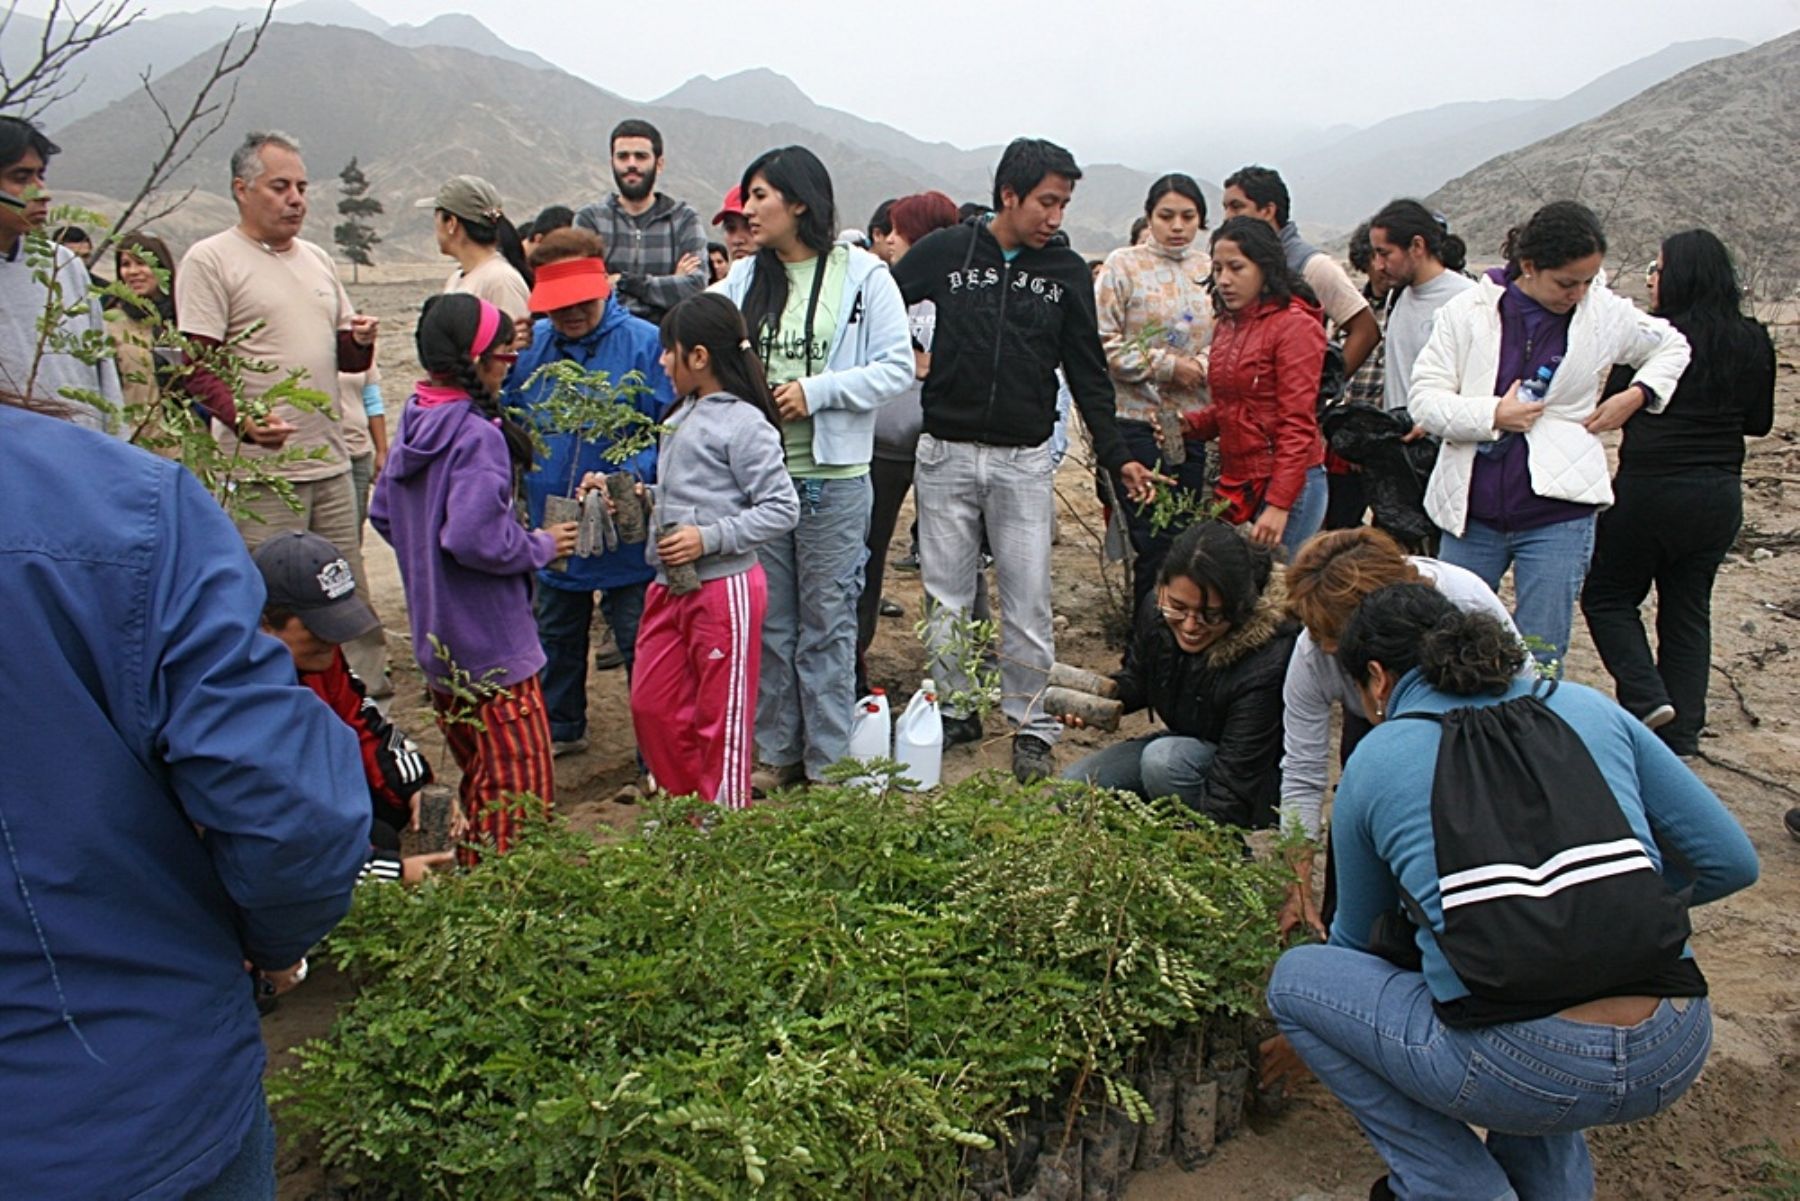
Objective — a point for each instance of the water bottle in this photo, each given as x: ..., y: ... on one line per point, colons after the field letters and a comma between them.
x: 919, y: 738
x: 872, y: 730
x: 1534, y: 390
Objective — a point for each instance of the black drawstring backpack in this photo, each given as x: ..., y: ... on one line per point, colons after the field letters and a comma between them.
x: 1549, y: 899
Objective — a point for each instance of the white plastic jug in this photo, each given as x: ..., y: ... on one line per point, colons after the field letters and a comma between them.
x: 919, y: 737
x: 872, y: 730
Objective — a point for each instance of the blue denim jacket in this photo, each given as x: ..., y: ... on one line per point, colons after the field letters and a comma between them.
x: 139, y: 702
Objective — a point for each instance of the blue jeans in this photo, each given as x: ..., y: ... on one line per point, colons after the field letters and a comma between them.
x: 250, y: 1176
x: 564, y: 618
x: 1308, y: 513
x: 1415, y: 1085
x: 806, y: 696
x: 1156, y: 765
x: 1548, y: 565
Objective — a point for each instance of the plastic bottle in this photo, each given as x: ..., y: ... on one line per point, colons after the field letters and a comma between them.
x: 919, y: 738
x: 1534, y: 389
x: 872, y: 730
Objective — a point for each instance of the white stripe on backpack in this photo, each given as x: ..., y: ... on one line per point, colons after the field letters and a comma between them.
x: 1550, y: 866
x: 1638, y: 862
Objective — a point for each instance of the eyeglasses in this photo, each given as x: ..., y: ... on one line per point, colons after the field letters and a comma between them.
x: 504, y: 356
x: 1652, y: 271
x: 1176, y: 615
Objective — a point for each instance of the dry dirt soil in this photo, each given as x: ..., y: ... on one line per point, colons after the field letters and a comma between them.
x: 1712, y: 1144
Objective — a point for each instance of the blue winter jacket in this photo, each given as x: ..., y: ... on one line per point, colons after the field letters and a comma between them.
x: 137, y: 703
x: 619, y: 344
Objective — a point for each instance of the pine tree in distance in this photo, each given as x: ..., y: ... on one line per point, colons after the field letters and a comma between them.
x: 354, y: 235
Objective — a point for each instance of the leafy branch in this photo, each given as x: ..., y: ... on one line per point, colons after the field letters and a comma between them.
x: 592, y: 406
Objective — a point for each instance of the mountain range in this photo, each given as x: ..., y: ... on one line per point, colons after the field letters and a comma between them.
x: 415, y: 104
x: 1714, y: 146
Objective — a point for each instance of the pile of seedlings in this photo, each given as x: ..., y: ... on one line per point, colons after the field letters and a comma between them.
x: 988, y: 991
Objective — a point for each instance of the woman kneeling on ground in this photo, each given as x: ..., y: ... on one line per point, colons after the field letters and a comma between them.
x: 1419, y: 1056
x: 1208, y: 656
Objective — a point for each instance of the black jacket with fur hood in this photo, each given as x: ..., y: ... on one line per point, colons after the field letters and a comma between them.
x: 1228, y: 694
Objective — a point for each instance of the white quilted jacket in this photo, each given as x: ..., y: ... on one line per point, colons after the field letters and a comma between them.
x: 1452, y: 393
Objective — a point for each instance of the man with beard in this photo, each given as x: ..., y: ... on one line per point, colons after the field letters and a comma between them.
x: 655, y: 246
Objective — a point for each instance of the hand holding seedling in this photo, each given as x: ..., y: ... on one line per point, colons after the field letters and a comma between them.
x: 566, y: 534
x: 680, y: 547
x: 1140, y: 482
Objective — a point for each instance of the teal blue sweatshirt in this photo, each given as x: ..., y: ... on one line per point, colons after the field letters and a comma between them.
x: 1381, y: 822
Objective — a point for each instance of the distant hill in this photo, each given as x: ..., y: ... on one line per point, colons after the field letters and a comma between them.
x: 1340, y: 183
x: 111, y: 69
x: 1714, y: 146
x: 539, y: 134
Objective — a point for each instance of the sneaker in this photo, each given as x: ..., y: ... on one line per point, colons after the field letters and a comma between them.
x: 1792, y: 822
x: 1033, y: 759
x: 767, y: 779
x: 888, y: 608
x: 958, y: 730
x: 1658, y: 717
x: 907, y: 564
x: 609, y: 656
x: 570, y: 746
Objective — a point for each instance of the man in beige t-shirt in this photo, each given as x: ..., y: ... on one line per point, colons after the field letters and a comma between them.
x: 259, y: 280
x: 1259, y: 192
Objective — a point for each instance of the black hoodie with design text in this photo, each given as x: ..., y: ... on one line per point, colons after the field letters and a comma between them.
x: 1003, y: 328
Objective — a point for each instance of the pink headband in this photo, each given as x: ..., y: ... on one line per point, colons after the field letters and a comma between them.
x: 485, y: 328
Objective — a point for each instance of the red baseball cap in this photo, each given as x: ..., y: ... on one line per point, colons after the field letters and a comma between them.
x: 569, y: 281
x: 734, y: 203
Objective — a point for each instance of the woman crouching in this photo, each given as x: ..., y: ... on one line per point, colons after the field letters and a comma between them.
x: 1208, y: 656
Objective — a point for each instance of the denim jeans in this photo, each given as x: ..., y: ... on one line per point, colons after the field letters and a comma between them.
x: 1308, y: 513
x: 1670, y: 532
x: 806, y: 697
x: 1415, y: 1085
x: 959, y: 487
x: 564, y: 619
x: 1548, y: 565
x: 1156, y: 765
x: 250, y: 1176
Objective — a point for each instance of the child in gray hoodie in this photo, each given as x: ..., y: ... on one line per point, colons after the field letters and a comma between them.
x: 723, y: 485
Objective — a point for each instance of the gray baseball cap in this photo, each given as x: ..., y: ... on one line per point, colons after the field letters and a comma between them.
x: 306, y: 575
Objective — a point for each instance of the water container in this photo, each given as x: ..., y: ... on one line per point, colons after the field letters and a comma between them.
x: 919, y: 738
x: 872, y: 729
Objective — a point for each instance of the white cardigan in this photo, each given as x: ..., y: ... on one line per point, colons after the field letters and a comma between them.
x: 1452, y: 394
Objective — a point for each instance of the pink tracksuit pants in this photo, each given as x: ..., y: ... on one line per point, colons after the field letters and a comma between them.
x: 693, y: 688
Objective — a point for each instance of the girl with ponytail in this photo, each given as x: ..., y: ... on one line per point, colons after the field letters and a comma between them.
x: 446, y: 503
x: 722, y: 491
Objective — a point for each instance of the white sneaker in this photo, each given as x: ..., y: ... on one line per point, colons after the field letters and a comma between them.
x: 1658, y: 717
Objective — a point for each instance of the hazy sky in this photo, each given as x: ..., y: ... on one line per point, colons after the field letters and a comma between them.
x: 1110, y: 73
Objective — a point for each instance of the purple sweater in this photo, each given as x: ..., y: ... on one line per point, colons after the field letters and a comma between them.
x: 445, y: 503
x: 1500, y: 495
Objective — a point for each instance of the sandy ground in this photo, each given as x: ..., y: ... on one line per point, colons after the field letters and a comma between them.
x: 1749, y: 945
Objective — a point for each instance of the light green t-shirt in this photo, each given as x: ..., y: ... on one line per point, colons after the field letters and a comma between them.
x: 784, y: 354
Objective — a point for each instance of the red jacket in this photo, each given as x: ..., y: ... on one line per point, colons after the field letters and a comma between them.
x: 392, y: 764
x: 1264, y: 376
